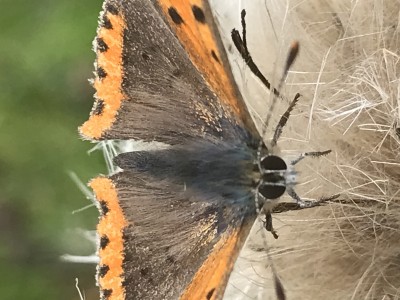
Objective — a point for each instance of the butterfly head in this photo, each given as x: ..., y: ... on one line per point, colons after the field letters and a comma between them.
x: 274, y: 175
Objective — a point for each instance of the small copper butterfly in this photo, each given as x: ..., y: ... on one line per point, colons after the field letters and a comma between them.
x: 175, y: 218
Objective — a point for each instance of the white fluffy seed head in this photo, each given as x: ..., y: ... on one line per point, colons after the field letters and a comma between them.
x: 348, y: 74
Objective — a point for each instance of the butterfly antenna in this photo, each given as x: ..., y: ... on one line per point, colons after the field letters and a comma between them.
x: 240, y: 43
x: 291, y: 57
x: 244, y: 33
x: 283, y: 120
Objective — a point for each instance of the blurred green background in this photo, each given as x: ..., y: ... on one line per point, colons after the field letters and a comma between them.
x: 45, y: 61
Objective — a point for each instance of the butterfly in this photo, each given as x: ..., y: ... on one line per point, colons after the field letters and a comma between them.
x: 173, y: 221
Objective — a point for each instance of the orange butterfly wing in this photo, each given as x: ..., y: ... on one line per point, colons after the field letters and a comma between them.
x: 129, y: 94
x: 193, y: 22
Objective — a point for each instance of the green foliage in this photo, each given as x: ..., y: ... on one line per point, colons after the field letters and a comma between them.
x: 45, y: 61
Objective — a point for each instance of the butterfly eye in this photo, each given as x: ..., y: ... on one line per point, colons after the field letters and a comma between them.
x: 271, y: 191
x: 273, y: 185
x: 272, y: 162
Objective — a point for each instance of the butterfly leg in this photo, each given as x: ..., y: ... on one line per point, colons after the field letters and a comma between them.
x: 283, y: 120
x: 265, y: 206
x: 268, y: 223
x: 310, y: 154
x: 307, y: 204
x: 302, y: 203
x: 292, y: 193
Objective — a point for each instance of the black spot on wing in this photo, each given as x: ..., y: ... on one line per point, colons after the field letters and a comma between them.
x: 106, y: 22
x: 101, y: 45
x: 103, y: 270
x: 175, y: 16
x: 145, y: 56
x: 214, y: 56
x: 170, y: 259
x: 177, y: 72
x: 198, y: 14
x: 111, y: 9
x: 101, y: 73
x: 104, y: 241
x: 144, y: 271
x: 99, y: 107
x: 104, y: 208
x: 106, y: 293
x: 210, y: 293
